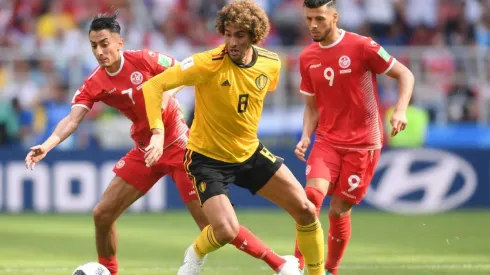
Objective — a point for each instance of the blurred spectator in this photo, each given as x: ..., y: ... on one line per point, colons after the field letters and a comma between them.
x: 9, y: 124
x: 20, y: 85
x: 52, y: 108
x: 461, y: 103
x: 45, y: 53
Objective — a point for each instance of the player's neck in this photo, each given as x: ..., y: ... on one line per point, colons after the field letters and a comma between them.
x: 332, y: 37
x: 114, y: 68
x: 247, y: 59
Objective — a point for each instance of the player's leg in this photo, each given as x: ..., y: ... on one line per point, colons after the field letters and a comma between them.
x: 284, y: 190
x: 115, y: 200
x: 358, y: 168
x: 188, y: 194
x: 245, y: 240
x: 212, y: 189
x: 273, y: 181
x: 322, y: 168
x: 133, y: 179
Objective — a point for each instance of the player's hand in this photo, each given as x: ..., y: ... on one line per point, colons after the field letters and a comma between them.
x: 398, y: 122
x: 35, y: 155
x: 301, y: 148
x: 155, y: 149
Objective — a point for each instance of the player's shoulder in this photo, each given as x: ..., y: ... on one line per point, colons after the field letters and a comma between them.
x: 309, y: 52
x: 262, y: 52
x: 208, y: 60
x: 355, y: 38
x: 94, y: 81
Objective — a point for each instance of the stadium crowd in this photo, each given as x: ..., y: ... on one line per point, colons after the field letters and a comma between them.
x: 45, y: 54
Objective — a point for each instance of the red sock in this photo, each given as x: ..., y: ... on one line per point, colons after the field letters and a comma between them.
x: 250, y: 244
x: 109, y: 263
x: 316, y: 197
x: 338, y: 238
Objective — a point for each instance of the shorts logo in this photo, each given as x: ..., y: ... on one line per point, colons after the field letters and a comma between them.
x: 353, y: 181
x: 308, y: 169
x: 202, y: 186
x: 344, y: 62
x: 261, y: 81
x: 136, y: 78
x: 120, y: 164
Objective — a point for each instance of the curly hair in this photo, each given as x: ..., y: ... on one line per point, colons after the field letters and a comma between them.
x: 246, y: 14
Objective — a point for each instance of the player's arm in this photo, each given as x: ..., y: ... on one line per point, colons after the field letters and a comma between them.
x: 158, y: 63
x: 188, y: 73
x: 191, y: 71
x: 381, y: 62
x: 310, y: 117
x: 63, y: 130
x: 406, y: 82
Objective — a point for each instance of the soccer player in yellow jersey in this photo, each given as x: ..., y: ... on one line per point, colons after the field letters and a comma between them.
x: 231, y: 83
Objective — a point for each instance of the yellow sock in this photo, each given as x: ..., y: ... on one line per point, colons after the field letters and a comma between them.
x: 206, y: 242
x: 312, y: 246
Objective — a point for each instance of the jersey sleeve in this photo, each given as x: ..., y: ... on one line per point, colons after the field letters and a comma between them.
x: 83, y: 98
x: 158, y: 62
x: 305, y: 86
x: 191, y: 71
x: 377, y: 59
x: 275, y: 78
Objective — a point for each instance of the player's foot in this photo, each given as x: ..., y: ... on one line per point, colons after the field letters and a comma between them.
x: 291, y: 267
x: 192, y: 262
x: 302, y: 272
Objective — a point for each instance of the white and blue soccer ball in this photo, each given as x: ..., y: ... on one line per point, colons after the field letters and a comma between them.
x: 91, y: 269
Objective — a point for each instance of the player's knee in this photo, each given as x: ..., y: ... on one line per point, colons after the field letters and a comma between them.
x: 226, y: 231
x: 339, y: 207
x: 102, y: 217
x: 315, y: 196
x: 306, y: 213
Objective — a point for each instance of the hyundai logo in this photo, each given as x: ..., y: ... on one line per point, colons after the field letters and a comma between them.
x: 445, y: 181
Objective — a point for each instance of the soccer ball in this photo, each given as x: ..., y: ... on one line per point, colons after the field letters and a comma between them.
x: 91, y: 269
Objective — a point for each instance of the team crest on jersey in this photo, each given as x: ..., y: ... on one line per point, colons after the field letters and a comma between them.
x: 261, y: 81
x: 120, y: 164
x: 344, y: 62
x: 136, y: 78
x: 308, y: 169
x: 202, y: 186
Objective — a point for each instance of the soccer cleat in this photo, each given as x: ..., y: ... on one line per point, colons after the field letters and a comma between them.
x: 302, y: 272
x: 291, y: 267
x: 192, y: 262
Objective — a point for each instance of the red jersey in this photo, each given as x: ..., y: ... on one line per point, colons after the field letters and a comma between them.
x: 342, y: 76
x: 123, y: 91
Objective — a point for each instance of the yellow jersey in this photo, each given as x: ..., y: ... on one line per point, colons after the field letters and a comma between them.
x: 229, y: 99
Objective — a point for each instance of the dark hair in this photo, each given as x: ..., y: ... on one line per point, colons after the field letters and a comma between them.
x: 105, y: 22
x: 312, y: 4
x: 247, y: 14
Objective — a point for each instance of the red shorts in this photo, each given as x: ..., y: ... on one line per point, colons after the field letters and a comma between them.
x: 349, y: 171
x: 133, y: 170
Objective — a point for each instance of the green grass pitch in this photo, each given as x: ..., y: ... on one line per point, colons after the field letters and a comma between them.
x: 382, y: 244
